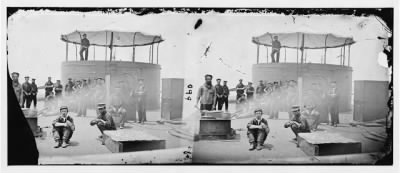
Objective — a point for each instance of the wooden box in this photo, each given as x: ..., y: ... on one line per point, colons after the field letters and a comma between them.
x: 220, y: 128
x: 127, y: 141
x: 322, y: 144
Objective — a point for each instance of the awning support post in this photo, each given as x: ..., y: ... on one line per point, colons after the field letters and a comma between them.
x: 94, y: 52
x: 158, y: 44
x: 149, y: 54
x: 344, y: 55
x: 66, y: 51
x: 341, y: 55
x: 326, y: 38
x: 302, y: 48
x: 348, y: 59
x: 133, y: 47
x: 258, y: 53
x: 111, y: 45
x: 76, y: 52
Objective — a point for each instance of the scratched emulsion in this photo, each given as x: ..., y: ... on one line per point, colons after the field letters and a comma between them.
x: 198, y: 41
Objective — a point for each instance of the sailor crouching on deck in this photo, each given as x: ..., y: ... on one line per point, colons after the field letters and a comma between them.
x: 298, y: 123
x: 104, y: 120
x: 63, y: 127
x: 257, y: 130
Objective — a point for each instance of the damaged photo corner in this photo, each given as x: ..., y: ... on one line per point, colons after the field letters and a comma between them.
x: 200, y: 86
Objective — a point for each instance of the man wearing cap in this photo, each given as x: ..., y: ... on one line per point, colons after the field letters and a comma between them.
x: 17, y: 87
x: 140, y: 94
x: 27, y: 90
x: 276, y: 46
x: 34, y: 92
x: 250, y: 91
x: 298, y: 123
x: 257, y: 130
x: 239, y: 89
x: 84, y: 48
x: 206, y: 95
x: 69, y: 87
x: 333, y: 104
x: 58, y: 88
x: 225, y: 95
x: 63, y: 127
x: 260, y: 89
x: 48, y: 87
x: 219, y: 91
x: 104, y: 120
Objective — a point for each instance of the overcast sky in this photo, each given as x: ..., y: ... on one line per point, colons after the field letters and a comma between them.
x: 35, y: 48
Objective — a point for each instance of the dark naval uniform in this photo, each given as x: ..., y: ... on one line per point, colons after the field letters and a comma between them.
x: 48, y: 88
x: 303, y: 126
x: 26, y: 100
x: 34, y: 94
x: 220, y: 100
x: 225, y: 96
x: 108, y: 123
x: 257, y: 136
x: 63, y: 133
x: 18, y: 91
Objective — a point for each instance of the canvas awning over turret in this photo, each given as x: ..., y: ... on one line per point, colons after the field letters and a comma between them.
x: 300, y: 40
x: 110, y: 38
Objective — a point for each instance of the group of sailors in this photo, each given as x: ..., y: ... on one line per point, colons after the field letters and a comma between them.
x: 272, y: 97
x: 64, y: 126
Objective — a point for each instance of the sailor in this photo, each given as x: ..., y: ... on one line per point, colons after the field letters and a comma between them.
x: 69, y: 87
x: 84, y: 48
x: 239, y: 89
x: 63, y: 127
x: 34, y: 92
x: 48, y: 87
x: 17, y: 87
x: 276, y: 46
x: 83, y: 98
x: 260, y: 90
x: 58, y: 88
x: 206, y: 95
x: 103, y: 121
x: 27, y: 90
x: 250, y: 91
x: 333, y: 104
x: 298, y: 123
x: 219, y: 91
x: 225, y: 95
x: 140, y: 94
x: 257, y: 130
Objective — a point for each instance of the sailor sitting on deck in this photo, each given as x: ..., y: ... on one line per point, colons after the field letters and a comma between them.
x: 63, y: 127
x: 257, y: 130
x: 104, y: 120
x: 298, y: 123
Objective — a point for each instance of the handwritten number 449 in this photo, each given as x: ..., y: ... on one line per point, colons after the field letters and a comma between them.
x: 189, y: 92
